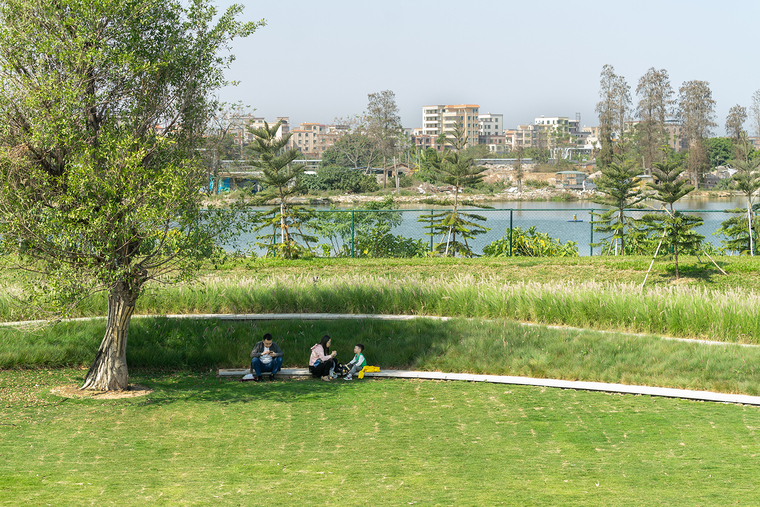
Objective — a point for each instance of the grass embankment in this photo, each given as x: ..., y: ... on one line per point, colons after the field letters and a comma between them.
x: 200, y: 441
x: 458, y: 345
x: 600, y: 293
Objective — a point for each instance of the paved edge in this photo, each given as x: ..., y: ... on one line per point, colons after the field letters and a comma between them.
x: 362, y: 316
x: 664, y: 392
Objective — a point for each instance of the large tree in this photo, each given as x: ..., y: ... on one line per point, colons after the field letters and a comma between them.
x: 613, y: 109
x: 754, y: 113
x: 354, y: 146
x: 102, y: 104
x: 655, y: 106
x: 737, y: 115
x: 384, y: 124
x: 696, y: 111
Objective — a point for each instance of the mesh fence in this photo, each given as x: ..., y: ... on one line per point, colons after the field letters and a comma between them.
x: 401, y: 233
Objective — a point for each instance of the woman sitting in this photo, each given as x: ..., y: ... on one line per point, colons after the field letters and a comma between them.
x: 322, y: 362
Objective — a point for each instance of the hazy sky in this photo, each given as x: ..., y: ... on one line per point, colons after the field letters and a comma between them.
x: 317, y: 60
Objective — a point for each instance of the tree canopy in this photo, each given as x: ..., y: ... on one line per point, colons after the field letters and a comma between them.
x: 102, y: 104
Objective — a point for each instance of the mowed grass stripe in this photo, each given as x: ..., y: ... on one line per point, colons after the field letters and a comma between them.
x: 199, y: 440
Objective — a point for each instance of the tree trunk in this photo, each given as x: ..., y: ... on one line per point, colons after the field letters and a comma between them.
x: 109, y: 370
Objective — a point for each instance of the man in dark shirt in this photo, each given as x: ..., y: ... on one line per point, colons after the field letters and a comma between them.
x: 266, y: 356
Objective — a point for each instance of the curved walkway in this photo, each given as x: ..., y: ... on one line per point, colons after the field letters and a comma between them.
x: 497, y: 379
x: 665, y: 392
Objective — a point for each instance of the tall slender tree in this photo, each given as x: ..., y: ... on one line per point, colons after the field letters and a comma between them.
x: 282, y: 177
x: 456, y: 227
x: 654, y: 108
x: 102, y: 105
x: 742, y: 229
x: 754, y: 112
x: 614, y: 109
x: 384, y: 124
x: 620, y: 190
x: 737, y: 115
x: 696, y: 112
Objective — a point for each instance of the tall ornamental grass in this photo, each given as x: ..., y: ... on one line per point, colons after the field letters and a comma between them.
x: 730, y: 315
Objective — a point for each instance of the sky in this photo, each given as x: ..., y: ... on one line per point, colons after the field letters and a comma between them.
x: 315, y: 61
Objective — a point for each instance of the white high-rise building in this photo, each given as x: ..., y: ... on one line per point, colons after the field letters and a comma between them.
x: 441, y: 119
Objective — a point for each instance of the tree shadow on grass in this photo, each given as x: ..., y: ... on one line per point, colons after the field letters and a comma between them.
x: 704, y: 272
x: 178, y: 387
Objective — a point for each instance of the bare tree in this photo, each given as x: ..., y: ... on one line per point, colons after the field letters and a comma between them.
x: 737, y: 115
x: 613, y: 109
x: 218, y: 142
x: 696, y: 112
x: 384, y: 124
x: 754, y: 112
x: 654, y: 108
x: 354, y: 143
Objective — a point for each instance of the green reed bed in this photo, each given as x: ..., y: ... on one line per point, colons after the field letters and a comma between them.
x: 456, y: 345
x: 728, y: 315
x: 197, y: 440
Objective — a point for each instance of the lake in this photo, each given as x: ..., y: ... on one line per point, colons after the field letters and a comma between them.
x: 566, y: 221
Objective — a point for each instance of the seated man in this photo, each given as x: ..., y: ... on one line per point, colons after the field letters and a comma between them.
x: 266, y: 356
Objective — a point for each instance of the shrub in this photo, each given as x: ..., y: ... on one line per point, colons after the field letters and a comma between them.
x: 536, y: 183
x: 530, y: 243
x: 341, y: 179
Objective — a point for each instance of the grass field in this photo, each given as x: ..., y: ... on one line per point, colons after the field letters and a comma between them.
x: 457, y: 345
x: 201, y: 441
x: 198, y: 440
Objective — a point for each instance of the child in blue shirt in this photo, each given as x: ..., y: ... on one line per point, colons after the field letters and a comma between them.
x: 357, y: 363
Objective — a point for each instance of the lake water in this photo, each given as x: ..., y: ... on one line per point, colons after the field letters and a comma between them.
x: 566, y: 221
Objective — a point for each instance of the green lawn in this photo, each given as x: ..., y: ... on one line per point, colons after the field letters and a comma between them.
x: 456, y: 345
x: 198, y: 440
x: 201, y: 441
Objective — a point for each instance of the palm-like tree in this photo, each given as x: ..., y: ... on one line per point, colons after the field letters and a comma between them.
x: 282, y: 179
x: 678, y: 228
x: 458, y: 171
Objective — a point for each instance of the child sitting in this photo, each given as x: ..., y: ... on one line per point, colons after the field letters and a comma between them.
x: 357, y: 363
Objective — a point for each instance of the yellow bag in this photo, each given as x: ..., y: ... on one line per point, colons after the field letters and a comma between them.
x: 368, y: 369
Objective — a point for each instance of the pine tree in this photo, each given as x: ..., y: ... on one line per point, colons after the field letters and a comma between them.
x: 455, y: 227
x: 621, y: 190
x: 282, y: 178
x: 678, y: 233
x: 742, y: 230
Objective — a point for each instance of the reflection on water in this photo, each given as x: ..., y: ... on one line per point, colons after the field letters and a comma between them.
x: 566, y: 221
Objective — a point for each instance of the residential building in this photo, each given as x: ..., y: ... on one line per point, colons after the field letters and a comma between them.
x: 240, y: 125
x: 312, y: 139
x: 442, y: 119
x: 492, y: 132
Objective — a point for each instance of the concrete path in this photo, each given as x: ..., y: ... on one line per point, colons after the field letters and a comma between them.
x: 361, y: 316
x: 539, y: 382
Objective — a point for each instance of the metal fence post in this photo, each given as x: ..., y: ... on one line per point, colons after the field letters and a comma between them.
x: 510, y: 232
x: 431, y: 231
x: 352, y: 233
x: 591, y: 225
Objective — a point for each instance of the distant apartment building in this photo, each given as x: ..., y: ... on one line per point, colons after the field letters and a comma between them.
x: 240, y: 127
x: 492, y: 132
x: 442, y: 119
x: 312, y: 139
